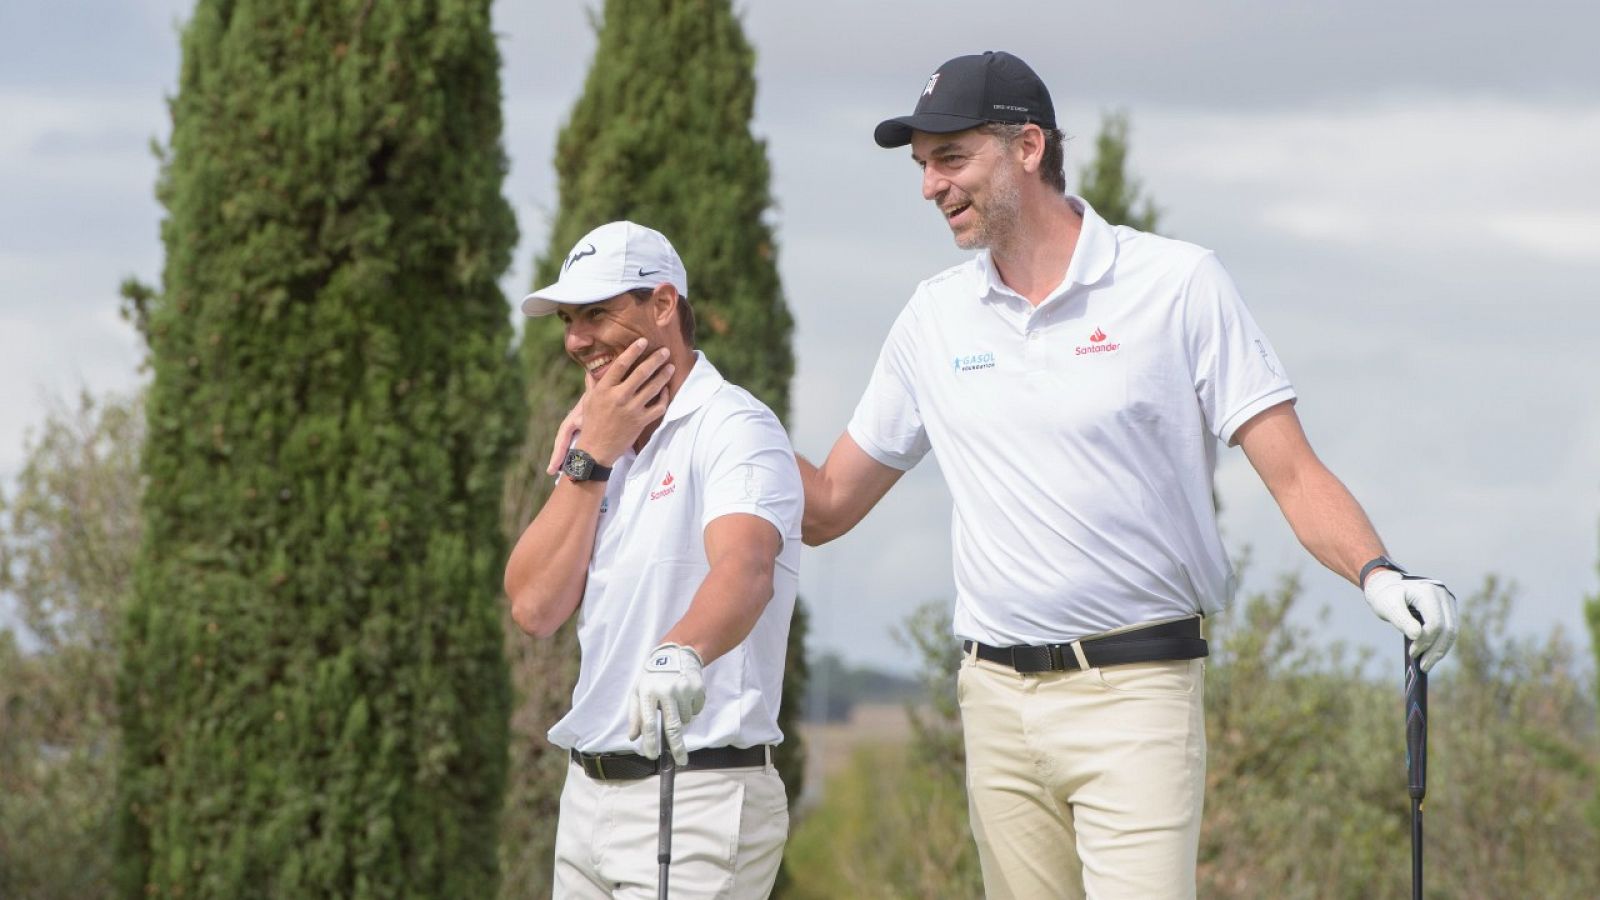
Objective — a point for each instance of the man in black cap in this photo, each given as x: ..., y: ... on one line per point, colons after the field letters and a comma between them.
x: 1076, y: 378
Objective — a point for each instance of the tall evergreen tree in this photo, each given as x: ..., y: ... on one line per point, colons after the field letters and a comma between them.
x: 1106, y: 183
x: 314, y: 696
x: 661, y: 135
x: 1591, y: 616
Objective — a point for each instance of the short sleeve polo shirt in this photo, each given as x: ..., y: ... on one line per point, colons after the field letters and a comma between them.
x: 718, y: 451
x: 1078, y: 438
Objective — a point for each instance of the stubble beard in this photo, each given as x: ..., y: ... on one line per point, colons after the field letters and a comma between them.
x: 997, y: 217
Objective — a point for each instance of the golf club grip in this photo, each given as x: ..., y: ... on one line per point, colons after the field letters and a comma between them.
x: 1416, y: 723
x: 669, y: 773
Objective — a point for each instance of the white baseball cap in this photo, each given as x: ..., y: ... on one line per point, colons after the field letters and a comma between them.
x: 610, y: 260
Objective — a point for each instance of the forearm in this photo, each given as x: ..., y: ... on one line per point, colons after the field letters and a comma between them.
x: 549, y: 565
x: 816, y: 526
x: 1329, y: 522
x: 841, y: 492
x: 725, y: 608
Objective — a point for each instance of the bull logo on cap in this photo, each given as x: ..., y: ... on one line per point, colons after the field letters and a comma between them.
x: 577, y: 255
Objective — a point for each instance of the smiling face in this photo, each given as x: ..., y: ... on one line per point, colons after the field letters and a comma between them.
x: 973, y: 181
x: 597, y: 332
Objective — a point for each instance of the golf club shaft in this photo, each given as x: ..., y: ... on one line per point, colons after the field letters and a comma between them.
x: 1416, y: 850
x: 669, y: 773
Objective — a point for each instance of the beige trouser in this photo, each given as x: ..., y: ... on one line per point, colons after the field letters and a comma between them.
x: 1085, y: 783
x: 728, y: 829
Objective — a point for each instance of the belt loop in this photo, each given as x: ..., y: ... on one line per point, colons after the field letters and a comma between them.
x: 1077, y: 653
x: 969, y: 649
x: 599, y: 767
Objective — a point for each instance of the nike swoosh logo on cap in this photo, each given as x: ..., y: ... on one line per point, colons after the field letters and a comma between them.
x: 644, y: 274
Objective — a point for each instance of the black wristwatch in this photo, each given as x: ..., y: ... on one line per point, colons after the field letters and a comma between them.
x: 1382, y: 562
x: 580, y: 466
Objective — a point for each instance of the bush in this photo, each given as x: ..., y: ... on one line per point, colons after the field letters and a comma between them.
x: 1306, y: 778
x: 890, y: 826
x: 68, y: 537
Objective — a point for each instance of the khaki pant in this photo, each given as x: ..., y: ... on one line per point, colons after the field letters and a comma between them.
x: 728, y: 830
x: 1086, y: 783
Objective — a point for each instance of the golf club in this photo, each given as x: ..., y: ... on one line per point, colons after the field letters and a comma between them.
x: 669, y: 772
x: 1416, y: 757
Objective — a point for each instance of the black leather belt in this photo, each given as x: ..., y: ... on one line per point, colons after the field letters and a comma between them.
x: 632, y: 766
x: 1167, y: 641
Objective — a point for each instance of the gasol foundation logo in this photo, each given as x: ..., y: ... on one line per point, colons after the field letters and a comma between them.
x: 1098, y: 343
x: 667, y: 487
x: 974, y: 361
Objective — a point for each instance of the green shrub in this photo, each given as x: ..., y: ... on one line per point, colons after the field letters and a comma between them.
x: 889, y: 826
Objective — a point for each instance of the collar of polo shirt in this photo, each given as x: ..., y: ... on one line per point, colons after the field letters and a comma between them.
x: 1091, y: 259
x: 702, y: 382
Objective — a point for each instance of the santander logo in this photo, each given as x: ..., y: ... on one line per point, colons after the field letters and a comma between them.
x: 667, y: 487
x: 1097, y: 344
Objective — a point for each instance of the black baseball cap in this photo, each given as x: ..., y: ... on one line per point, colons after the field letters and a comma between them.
x: 966, y: 92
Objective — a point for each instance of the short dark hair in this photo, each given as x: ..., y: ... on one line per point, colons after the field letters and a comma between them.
x: 685, y: 313
x: 1053, y: 167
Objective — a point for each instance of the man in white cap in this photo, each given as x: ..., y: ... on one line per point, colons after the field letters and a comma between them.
x: 673, y: 532
x: 1075, y: 379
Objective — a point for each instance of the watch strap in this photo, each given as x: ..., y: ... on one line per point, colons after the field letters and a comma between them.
x: 1381, y: 562
x: 591, y: 470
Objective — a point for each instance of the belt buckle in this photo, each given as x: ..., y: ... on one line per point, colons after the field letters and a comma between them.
x: 1058, y: 662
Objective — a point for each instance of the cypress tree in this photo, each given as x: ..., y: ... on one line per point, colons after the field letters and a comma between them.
x: 313, y: 692
x: 1106, y: 183
x: 661, y: 136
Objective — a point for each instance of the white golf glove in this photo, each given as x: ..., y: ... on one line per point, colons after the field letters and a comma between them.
x: 670, y: 682
x: 1393, y: 595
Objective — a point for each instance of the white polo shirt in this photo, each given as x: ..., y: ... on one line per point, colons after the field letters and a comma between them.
x: 1078, y: 438
x: 718, y: 451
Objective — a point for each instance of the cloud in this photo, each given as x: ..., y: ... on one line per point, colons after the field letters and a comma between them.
x: 1557, y: 235
x: 89, y: 44
x: 1405, y: 194
x: 1231, y: 54
x: 1457, y: 175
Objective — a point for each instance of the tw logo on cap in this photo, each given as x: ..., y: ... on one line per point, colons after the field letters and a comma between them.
x: 931, y: 82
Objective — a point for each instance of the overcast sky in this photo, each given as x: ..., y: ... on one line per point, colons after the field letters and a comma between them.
x: 1406, y: 194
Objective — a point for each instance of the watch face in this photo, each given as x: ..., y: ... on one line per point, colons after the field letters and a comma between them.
x: 578, y: 466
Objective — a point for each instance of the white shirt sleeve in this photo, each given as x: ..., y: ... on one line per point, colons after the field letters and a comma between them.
x: 887, y: 424
x: 1236, y: 373
x: 748, y: 467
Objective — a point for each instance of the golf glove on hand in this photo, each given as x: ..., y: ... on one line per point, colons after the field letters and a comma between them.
x: 1393, y: 595
x: 671, y: 682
